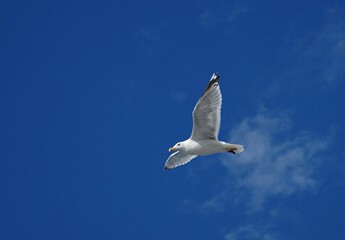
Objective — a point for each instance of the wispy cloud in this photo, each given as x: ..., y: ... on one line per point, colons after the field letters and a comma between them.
x: 277, y: 162
x: 328, y: 48
x: 251, y: 232
x: 311, y: 60
x: 320, y: 54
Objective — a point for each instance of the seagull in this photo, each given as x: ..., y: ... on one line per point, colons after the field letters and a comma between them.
x: 206, y: 124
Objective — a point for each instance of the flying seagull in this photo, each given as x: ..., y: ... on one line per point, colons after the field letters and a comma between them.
x: 206, y: 123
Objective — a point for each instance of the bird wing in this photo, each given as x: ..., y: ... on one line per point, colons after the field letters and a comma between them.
x: 177, y: 159
x: 206, y: 113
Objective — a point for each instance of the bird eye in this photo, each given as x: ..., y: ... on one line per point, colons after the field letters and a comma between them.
x: 178, y: 144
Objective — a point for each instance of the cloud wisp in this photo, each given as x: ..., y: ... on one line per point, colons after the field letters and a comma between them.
x: 251, y: 232
x: 318, y: 55
x: 328, y: 47
x: 275, y: 163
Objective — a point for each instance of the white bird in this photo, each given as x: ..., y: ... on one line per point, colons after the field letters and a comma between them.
x: 206, y: 124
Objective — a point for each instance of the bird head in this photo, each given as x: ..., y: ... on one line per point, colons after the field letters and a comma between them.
x: 178, y: 146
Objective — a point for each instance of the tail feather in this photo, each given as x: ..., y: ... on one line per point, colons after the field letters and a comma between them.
x: 234, y: 148
x: 240, y: 148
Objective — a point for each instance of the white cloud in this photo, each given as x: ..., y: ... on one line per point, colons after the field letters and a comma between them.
x: 251, y: 232
x: 276, y: 161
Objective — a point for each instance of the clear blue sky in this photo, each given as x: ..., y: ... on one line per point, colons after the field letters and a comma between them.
x: 93, y: 93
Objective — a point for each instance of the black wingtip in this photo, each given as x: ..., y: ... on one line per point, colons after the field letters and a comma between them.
x: 166, y: 168
x: 215, y: 78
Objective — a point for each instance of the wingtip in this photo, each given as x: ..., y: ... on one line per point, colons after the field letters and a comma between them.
x: 214, y: 79
x: 167, y: 168
x: 215, y: 76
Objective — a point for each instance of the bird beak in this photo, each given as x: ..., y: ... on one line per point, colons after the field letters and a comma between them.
x: 171, y: 149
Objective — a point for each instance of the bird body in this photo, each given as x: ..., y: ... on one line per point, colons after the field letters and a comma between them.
x: 206, y: 124
x: 207, y: 147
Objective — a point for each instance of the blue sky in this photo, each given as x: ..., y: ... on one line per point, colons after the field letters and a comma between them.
x: 94, y: 93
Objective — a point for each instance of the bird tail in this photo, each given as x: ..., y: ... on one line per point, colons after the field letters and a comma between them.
x: 234, y: 148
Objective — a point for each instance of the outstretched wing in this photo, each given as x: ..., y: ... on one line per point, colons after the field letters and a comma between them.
x: 206, y: 113
x: 177, y: 159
